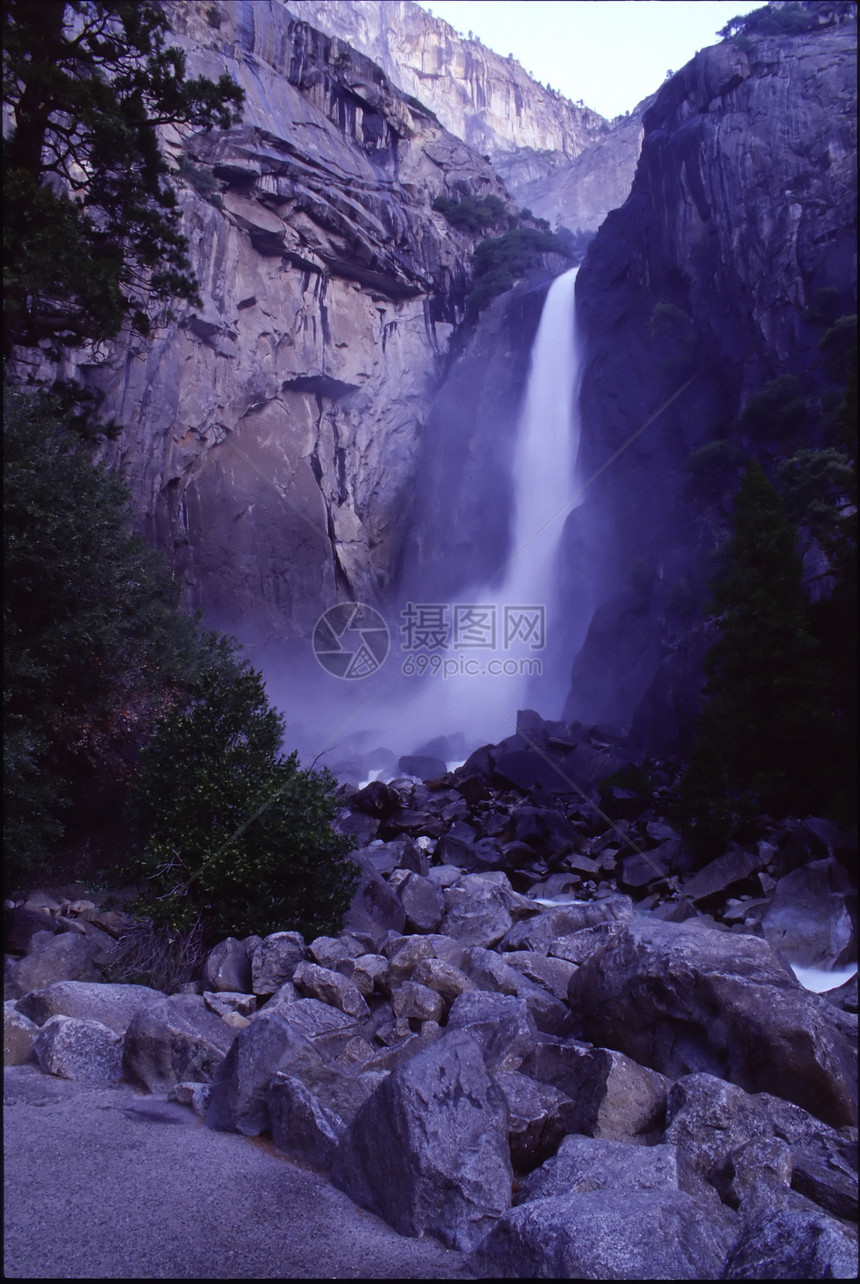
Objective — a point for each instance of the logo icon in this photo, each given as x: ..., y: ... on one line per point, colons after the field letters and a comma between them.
x: 351, y: 640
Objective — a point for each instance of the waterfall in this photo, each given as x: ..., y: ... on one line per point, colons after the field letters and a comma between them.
x: 492, y: 653
x: 545, y: 458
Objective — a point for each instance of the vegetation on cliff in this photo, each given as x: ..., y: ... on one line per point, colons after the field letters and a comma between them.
x: 91, y: 225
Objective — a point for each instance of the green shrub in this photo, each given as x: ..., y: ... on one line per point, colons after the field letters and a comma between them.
x: 778, y: 410
x: 93, y: 643
x: 791, y: 20
x: 235, y: 835
x: 499, y: 261
x: 472, y: 213
x: 714, y: 468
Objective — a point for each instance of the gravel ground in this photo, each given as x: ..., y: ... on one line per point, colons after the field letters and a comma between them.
x: 110, y: 1183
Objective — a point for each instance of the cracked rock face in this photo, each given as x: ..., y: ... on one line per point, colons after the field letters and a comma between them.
x: 270, y: 438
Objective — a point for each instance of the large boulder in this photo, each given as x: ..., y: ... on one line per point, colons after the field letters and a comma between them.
x: 112, y: 1005
x: 429, y: 1150
x: 597, y: 1235
x: 794, y: 1244
x: 176, y: 1039
x: 812, y: 918
x: 682, y: 999
x: 83, y: 1050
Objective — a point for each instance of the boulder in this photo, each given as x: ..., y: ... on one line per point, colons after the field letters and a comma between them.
x: 19, y: 1035
x: 175, y: 1039
x: 541, y: 932
x: 728, y: 874
x: 240, y: 1091
x: 112, y: 1005
x: 614, y: 1097
x: 69, y: 956
x: 301, y: 1125
x: 275, y: 960
x: 428, y: 1151
x: 500, y: 1024
x: 83, y: 1050
x: 583, y: 1164
x: 712, y: 1124
x: 540, y: 1116
x: 330, y: 987
x: 227, y: 967
x: 647, y: 1234
x: 812, y: 918
x: 415, y: 1002
x: 793, y: 1244
x: 475, y: 912
x: 375, y: 908
x: 422, y: 901
x: 682, y: 999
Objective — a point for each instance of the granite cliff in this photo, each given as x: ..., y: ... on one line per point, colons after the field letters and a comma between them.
x: 561, y: 160
x: 737, y: 238
x: 270, y: 437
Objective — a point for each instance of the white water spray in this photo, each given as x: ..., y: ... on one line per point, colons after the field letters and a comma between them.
x: 477, y: 691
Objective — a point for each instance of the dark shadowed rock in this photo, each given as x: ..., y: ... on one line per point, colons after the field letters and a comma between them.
x: 428, y: 1152
x: 794, y: 1244
x: 682, y: 999
x: 540, y: 1115
x: 227, y: 967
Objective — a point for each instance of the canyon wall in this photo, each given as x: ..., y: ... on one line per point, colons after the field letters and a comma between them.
x: 736, y: 244
x: 271, y: 436
x: 561, y: 160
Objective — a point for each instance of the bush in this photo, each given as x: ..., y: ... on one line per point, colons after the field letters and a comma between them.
x: 777, y: 411
x: 235, y: 835
x: 94, y: 644
x: 501, y: 260
x: 472, y: 213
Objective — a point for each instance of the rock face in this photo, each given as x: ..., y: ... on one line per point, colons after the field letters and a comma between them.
x: 562, y: 161
x: 742, y: 213
x: 487, y: 100
x: 271, y: 437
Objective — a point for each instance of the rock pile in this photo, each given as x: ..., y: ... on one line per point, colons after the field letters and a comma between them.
x: 518, y: 1043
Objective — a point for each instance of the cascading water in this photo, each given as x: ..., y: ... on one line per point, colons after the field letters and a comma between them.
x: 544, y: 472
x: 500, y: 660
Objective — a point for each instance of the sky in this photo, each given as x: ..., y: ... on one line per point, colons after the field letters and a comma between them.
x: 610, y: 53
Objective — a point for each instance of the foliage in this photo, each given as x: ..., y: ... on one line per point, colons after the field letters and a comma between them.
x: 630, y: 777
x: 472, y: 213
x: 236, y: 835
x: 790, y: 20
x: 94, y: 645
x: 202, y: 180
x: 501, y: 260
x: 91, y: 224
x: 777, y: 411
x: 713, y: 468
x: 576, y: 243
x: 764, y: 730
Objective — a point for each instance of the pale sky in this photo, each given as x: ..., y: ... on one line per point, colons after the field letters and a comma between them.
x: 610, y: 53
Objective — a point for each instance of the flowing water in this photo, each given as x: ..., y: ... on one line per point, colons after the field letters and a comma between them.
x: 498, y: 656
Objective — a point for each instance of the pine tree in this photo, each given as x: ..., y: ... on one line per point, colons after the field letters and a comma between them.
x: 91, y: 225
x: 764, y: 728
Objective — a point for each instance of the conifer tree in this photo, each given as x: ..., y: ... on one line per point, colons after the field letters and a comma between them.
x: 763, y: 733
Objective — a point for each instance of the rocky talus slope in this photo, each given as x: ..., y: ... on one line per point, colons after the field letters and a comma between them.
x: 542, y: 1036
